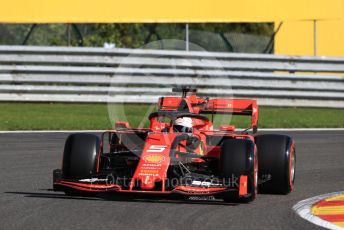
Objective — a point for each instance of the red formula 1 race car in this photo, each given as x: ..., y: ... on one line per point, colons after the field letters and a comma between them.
x: 181, y: 152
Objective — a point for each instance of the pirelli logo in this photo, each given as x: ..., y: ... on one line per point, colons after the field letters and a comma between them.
x: 154, y: 158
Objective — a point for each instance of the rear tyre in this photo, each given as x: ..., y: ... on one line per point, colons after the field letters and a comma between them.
x: 238, y: 158
x: 80, y: 158
x: 277, y: 161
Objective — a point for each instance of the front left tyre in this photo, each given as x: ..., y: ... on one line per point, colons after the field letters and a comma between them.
x: 277, y: 163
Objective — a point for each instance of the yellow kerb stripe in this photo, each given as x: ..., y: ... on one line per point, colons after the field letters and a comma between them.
x: 328, y: 210
x: 341, y: 224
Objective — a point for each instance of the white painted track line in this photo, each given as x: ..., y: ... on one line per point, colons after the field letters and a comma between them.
x: 99, y: 131
x: 53, y: 131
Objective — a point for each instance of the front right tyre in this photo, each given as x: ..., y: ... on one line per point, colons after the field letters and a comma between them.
x: 80, y: 159
x: 238, y: 158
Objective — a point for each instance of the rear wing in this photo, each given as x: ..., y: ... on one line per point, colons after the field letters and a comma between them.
x: 199, y: 105
x: 235, y: 107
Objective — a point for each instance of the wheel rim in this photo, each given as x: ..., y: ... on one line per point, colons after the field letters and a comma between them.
x: 292, y: 167
x: 256, y: 175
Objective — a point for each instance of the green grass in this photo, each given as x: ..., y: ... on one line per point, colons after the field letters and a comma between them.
x: 58, y: 116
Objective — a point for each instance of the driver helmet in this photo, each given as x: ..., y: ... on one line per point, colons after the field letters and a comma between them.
x: 183, y: 124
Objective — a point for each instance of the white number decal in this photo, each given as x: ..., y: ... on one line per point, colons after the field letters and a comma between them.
x: 156, y: 148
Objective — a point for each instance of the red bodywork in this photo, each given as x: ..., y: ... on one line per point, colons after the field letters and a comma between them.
x: 155, y: 158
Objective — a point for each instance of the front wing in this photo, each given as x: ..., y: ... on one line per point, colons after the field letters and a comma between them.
x: 102, y: 185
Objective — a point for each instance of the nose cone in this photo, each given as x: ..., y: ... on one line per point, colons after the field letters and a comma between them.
x: 154, y: 161
x: 147, y: 183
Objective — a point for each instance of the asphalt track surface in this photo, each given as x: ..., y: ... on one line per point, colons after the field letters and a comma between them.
x: 27, y: 202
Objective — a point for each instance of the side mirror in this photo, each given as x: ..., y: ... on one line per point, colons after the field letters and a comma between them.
x: 122, y: 125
